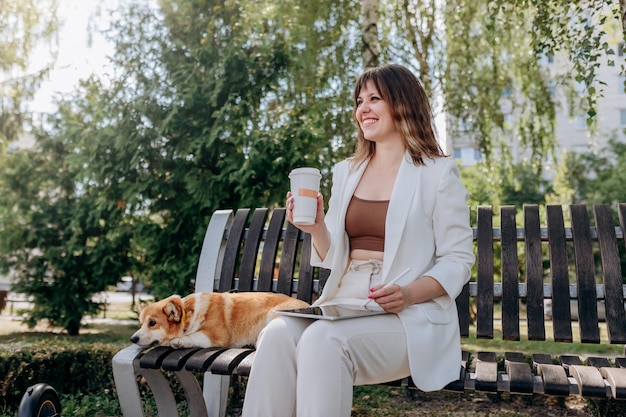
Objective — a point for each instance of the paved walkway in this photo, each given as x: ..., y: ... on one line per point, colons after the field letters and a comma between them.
x: 16, y: 302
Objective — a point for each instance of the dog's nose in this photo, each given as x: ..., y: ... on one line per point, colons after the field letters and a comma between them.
x: 134, y: 339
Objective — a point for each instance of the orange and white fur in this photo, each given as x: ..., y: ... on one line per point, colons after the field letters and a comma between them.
x: 210, y: 319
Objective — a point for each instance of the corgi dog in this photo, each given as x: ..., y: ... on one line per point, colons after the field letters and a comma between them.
x: 210, y: 319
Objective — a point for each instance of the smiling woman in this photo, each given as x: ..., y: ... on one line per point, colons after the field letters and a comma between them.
x: 420, y: 225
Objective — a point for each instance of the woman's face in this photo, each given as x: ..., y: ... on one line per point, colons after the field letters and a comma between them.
x: 374, y: 115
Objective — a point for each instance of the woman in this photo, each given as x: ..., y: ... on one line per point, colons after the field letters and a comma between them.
x: 397, y: 204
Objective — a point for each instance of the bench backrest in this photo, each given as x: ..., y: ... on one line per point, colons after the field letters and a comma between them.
x: 257, y: 250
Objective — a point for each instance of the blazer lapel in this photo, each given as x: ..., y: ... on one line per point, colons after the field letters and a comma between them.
x: 397, y: 214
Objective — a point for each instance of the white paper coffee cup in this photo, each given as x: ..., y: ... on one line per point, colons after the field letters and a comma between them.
x: 305, y: 185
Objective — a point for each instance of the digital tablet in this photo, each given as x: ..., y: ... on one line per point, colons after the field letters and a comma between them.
x: 331, y: 312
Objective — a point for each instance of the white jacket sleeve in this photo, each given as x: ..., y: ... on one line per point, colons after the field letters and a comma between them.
x: 453, y: 236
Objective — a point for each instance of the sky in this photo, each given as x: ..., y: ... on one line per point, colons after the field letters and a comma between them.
x: 80, y: 54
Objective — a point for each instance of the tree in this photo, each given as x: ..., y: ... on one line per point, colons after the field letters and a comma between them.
x: 371, y: 46
x: 214, y: 104
x: 62, y: 236
x: 411, y: 35
x: 504, y: 183
x: 622, y: 5
x: 24, y: 25
x: 481, y: 60
x: 593, y: 177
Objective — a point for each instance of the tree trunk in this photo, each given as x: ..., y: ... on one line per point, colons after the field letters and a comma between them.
x: 371, y: 47
x: 622, y: 7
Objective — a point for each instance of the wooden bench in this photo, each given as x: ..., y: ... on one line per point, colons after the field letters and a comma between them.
x: 517, y: 270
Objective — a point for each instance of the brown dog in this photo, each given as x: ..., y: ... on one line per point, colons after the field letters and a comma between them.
x: 210, y: 319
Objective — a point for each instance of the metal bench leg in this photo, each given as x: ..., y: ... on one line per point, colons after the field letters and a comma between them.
x: 215, y: 393
x: 125, y: 375
x: 162, y: 392
x: 193, y: 394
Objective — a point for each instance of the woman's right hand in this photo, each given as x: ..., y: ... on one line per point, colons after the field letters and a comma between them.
x: 319, y: 217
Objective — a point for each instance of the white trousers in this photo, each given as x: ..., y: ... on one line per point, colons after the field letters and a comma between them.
x: 307, y: 368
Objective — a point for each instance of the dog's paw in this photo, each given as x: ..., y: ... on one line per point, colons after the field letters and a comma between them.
x: 178, y: 343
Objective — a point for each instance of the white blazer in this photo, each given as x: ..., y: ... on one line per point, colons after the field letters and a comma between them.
x: 427, y: 229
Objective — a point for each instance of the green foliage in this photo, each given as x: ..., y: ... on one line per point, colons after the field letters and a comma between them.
x: 223, y: 105
x: 592, y: 177
x: 214, y: 102
x: 503, y: 183
x: 61, y: 239
x: 583, y: 32
x: 494, y: 86
x: 24, y: 24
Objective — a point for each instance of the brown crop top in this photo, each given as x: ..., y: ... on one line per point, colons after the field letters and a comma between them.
x: 365, y: 223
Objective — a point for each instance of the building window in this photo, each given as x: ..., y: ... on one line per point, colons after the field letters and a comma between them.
x: 622, y: 117
x: 546, y: 59
x: 581, y: 122
x: 621, y: 84
x: 468, y: 156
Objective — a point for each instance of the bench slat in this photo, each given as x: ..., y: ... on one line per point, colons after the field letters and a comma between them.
x: 153, y: 358
x: 520, y: 376
x: 202, y: 359
x: 305, y: 273
x: 175, y: 360
x: 598, y: 362
x: 226, y: 362
x: 243, y: 369
x: 616, y: 378
x: 534, y: 274
x: 251, y: 250
x: 485, y: 268
x: 463, y: 307
x: 323, y: 277
x: 270, y: 250
x: 554, y: 378
x: 231, y: 252
x: 288, y: 259
x: 611, y: 275
x: 561, y: 314
x: 585, y: 275
x: 590, y: 381
x: 486, y: 372
x: 510, y: 275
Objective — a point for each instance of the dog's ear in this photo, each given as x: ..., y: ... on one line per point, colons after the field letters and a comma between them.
x: 174, y: 308
x: 139, y: 306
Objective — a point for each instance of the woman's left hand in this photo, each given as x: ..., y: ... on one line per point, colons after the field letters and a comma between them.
x: 392, y: 299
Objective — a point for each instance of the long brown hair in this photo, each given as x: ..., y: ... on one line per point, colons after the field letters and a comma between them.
x: 410, y: 108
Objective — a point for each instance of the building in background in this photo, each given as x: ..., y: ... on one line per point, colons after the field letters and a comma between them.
x: 571, y: 131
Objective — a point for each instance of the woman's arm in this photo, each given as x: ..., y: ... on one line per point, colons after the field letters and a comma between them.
x: 395, y: 298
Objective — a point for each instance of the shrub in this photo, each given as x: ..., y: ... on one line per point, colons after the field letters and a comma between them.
x: 69, y: 368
